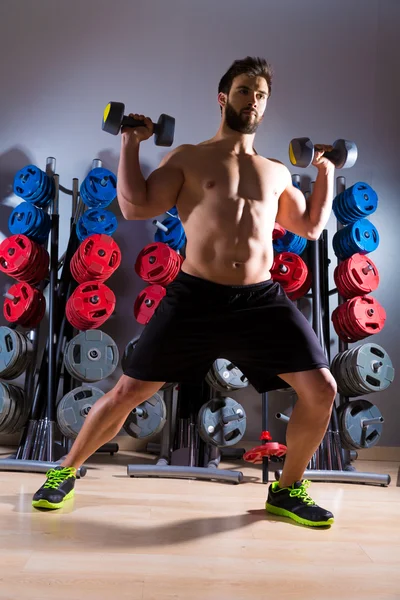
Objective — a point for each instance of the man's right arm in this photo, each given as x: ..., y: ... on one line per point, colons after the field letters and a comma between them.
x: 141, y: 199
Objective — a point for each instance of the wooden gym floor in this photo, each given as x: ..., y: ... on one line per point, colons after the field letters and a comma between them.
x: 159, y: 539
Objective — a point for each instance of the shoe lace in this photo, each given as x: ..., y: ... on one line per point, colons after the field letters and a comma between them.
x: 301, y: 492
x: 55, y: 477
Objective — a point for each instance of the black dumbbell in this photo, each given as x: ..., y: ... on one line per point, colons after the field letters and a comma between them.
x: 114, y: 119
x: 343, y: 155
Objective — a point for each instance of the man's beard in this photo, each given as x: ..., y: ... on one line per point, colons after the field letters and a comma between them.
x: 241, y: 123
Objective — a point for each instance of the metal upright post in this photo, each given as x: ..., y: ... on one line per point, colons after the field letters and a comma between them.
x: 51, y: 375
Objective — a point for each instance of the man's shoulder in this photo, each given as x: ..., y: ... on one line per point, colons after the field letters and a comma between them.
x: 176, y: 156
x: 277, y: 162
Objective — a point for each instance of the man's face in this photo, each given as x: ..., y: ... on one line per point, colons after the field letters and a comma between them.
x: 246, y: 103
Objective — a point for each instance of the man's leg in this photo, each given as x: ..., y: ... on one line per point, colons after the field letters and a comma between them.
x: 316, y: 391
x: 104, y: 421
x: 289, y: 497
x: 107, y: 416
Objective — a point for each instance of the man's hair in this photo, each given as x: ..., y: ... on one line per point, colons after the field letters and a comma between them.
x: 252, y: 66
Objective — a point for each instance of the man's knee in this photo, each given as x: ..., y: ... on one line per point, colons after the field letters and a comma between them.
x: 132, y: 392
x: 324, y: 388
x: 317, y: 387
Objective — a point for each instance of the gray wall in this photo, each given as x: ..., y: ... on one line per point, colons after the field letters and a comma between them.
x: 336, y: 65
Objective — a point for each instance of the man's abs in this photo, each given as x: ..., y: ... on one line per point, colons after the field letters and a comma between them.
x: 228, y: 206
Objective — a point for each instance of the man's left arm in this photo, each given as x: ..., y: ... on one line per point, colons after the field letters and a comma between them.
x: 308, y: 217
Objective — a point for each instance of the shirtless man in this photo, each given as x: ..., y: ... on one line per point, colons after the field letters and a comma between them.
x: 223, y: 302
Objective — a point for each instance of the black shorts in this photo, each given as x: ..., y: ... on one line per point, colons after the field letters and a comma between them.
x: 255, y: 326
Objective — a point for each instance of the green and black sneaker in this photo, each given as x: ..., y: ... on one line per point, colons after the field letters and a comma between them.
x: 58, y: 487
x: 295, y: 503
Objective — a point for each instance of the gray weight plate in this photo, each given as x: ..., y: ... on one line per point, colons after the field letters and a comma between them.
x: 372, y: 366
x: 14, y: 412
x: 91, y: 356
x: 352, y: 418
x: 339, y: 372
x: 126, y: 358
x: 18, y: 401
x: 228, y: 375
x: 212, y: 380
x: 10, y: 400
x: 74, y: 407
x: 19, y: 395
x: 6, y: 406
x: 346, y: 441
x: 211, y: 426
x: 10, y: 349
x: 13, y: 353
x: 349, y: 382
x: 209, y: 378
x: 147, y: 419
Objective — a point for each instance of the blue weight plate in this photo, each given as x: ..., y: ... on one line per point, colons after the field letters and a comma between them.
x: 21, y: 218
x: 178, y: 242
x: 365, y: 236
x: 81, y: 231
x: 30, y: 221
x: 27, y: 181
x: 37, y: 194
x: 89, y: 201
x: 173, y: 212
x: 84, y: 195
x: 290, y: 242
x: 281, y: 244
x: 46, y: 193
x: 337, y: 242
x: 338, y: 209
x: 98, y: 220
x: 175, y: 237
x: 101, y: 187
x: 299, y: 245
x: 362, y: 199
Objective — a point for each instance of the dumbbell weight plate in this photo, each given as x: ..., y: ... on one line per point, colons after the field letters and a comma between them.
x: 91, y: 356
x: 112, y: 117
x: 301, y: 152
x: 165, y: 131
x: 74, y: 407
x: 211, y: 428
x: 153, y: 419
x: 346, y: 153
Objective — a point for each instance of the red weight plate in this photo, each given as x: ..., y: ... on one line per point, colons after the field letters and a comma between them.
x: 356, y: 276
x: 96, y: 259
x: 15, y: 254
x: 255, y: 455
x: 302, y: 290
x: 23, y: 259
x: 28, y: 306
x: 290, y: 270
x: 90, y: 305
x: 367, y: 315
x: 278, y: 231
x: 158, y: 263
x: 147, y: 302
